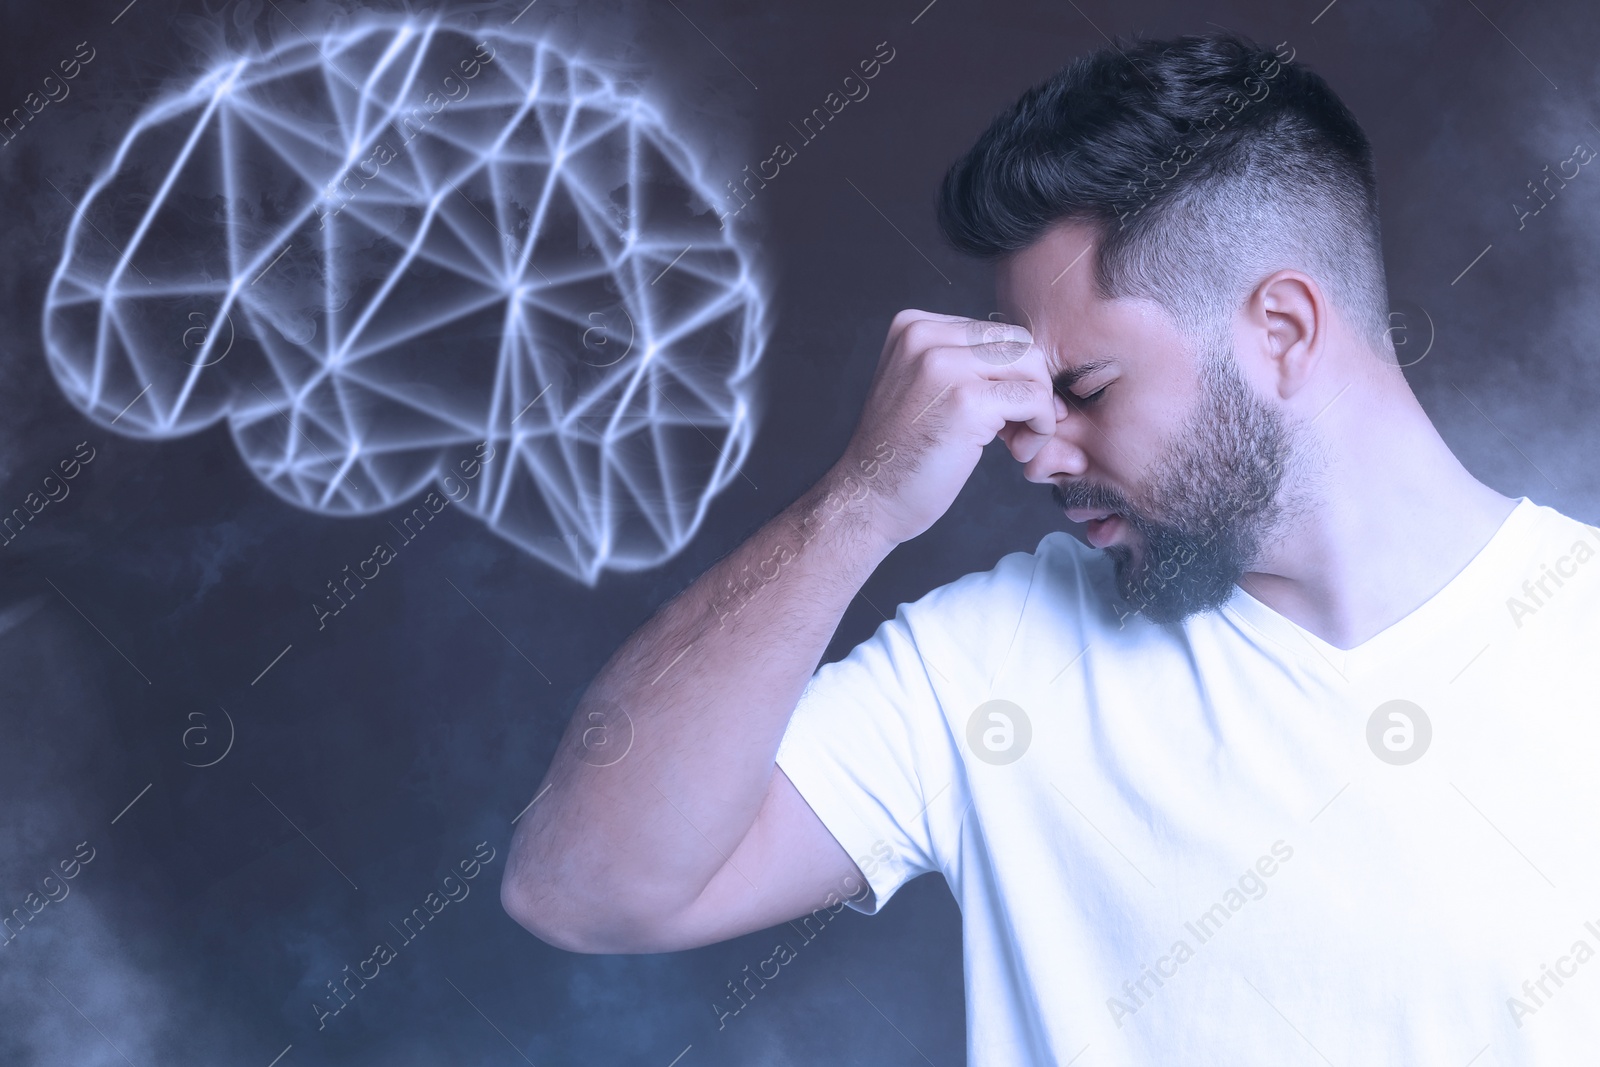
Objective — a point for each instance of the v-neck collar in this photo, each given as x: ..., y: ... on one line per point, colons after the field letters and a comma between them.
x: 1425, y: 622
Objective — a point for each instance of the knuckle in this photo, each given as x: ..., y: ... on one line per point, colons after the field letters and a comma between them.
x: 920, y: 335
x: 963, y: 402
x: 1014, y: 391
x: 992, y: 331
x: 978, y: 331
x: 1005, y: 351
x: 906, y: 316
x: 938, y: 361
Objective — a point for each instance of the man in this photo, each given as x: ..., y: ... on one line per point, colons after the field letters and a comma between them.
x: 1295, y: 764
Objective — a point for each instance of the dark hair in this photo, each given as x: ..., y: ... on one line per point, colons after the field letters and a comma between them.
x: 1203, y: 162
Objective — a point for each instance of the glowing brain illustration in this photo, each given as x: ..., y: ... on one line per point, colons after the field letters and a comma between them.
x: 397, y: 248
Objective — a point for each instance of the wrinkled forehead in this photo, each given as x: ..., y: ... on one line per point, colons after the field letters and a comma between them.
x: 1050, y: 289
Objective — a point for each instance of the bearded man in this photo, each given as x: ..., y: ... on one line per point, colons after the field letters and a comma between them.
x: 1293, y: 762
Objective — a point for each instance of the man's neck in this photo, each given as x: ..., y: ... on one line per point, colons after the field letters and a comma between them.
x: 1392, y: 518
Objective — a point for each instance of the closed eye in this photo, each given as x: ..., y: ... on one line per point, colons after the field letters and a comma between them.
x: 1090, y: 398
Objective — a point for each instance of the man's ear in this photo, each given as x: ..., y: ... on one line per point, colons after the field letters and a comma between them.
x: 1288, y: 315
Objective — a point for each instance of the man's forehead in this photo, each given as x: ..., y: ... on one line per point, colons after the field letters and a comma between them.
x: 1050, y: 282
x: 1067, y: 357
x: 1050, y: 288
x: 1061, y: 260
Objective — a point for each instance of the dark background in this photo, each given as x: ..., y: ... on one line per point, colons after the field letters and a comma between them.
x: 410, y: 730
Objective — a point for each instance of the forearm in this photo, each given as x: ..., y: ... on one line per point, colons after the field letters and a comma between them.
x: 698, y: 699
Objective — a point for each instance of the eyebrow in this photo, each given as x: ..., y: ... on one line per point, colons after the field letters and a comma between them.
x: 1066, y: 378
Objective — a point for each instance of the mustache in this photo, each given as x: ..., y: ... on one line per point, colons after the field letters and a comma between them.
x: 1081, y: 495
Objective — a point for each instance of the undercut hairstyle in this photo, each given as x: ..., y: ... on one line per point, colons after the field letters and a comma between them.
x: 1203, y: 164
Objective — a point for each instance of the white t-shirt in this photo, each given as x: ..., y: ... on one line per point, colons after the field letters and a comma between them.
x: 1197, y: 855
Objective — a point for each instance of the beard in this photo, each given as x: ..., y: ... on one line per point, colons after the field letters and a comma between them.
x: 1210, y: 505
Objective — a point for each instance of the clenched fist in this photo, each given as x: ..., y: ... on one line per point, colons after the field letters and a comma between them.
x: 945, y: 387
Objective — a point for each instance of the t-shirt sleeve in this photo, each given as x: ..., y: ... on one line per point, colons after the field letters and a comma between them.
x: 870, y: 745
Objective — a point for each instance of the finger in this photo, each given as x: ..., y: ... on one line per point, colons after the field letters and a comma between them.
x: 1021, y: 400
x: 1002, y: 354
x: 1006, y: 360
x: 1001, y: 342
x: 987, y: 331
x: 1023, y: 442
x: 997, y: 343
x: 906, y: 317
x: 999, y: 359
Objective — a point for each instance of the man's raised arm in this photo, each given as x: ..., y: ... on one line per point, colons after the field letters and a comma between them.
x: 663, y: 821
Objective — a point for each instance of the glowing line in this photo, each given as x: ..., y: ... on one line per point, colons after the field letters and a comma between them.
x: 78, y: 213
x: 330, y: 64
x: 166, y: 187
x: 614, y: 475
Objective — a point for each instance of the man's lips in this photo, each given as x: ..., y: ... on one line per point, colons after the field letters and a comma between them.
x: 1103, y: 528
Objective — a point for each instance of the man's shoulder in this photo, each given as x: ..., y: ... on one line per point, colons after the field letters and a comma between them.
x: 1549, y: 538
x: 1552, y: 522
x: 1551, y: 569
x: 1057, y: 556
x: 1059, y: 580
